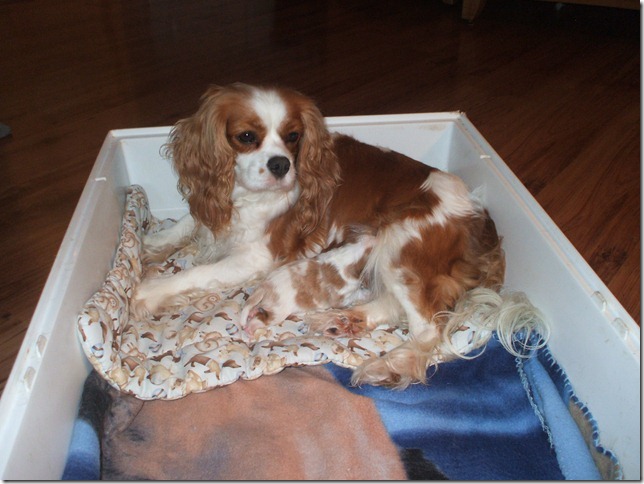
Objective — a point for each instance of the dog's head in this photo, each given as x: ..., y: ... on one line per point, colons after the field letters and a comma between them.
x: 253, y: 139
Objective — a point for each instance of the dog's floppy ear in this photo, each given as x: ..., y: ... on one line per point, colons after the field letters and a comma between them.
x: 205, y: 161
x: 317, y: 167
x: 303, y: 229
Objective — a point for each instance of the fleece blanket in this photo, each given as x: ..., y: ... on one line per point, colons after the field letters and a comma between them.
x: 493, y: 417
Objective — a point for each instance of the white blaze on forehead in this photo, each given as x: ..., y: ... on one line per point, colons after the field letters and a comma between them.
x: 454, y: 197
x: 251, y: 171
x: 270, y: 108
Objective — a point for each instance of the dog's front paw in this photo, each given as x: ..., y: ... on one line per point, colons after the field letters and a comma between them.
x: 152, y: 298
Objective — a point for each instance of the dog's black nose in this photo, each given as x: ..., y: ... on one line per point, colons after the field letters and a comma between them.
x: 279, y: 165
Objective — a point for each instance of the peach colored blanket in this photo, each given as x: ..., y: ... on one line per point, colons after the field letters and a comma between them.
x: 269, y: 428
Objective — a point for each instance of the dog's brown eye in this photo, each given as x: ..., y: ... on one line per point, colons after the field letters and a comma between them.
x: 292, y: 137
x: 247, y: 137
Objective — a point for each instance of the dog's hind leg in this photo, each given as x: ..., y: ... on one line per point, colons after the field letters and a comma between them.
x: 408, y: 362
x: 426, y: 271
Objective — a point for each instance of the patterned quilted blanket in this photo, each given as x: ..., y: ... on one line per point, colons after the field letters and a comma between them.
x: 200, y: 347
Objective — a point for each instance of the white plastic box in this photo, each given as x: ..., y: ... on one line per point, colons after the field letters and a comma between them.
x: 593, y: 337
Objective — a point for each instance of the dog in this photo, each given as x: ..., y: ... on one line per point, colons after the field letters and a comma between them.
x: 349, y: 234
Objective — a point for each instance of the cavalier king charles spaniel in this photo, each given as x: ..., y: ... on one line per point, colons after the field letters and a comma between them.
x: 351, y: 236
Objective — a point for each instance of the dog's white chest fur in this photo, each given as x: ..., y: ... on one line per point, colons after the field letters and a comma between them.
x: 252, y: 213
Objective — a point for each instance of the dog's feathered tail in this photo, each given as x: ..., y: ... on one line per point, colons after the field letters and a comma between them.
x: 520, y: 327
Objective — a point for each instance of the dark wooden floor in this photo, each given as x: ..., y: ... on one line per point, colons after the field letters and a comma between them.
x: 555, y: 90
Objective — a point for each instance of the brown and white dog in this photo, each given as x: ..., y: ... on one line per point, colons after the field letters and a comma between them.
x: 348, y: 234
